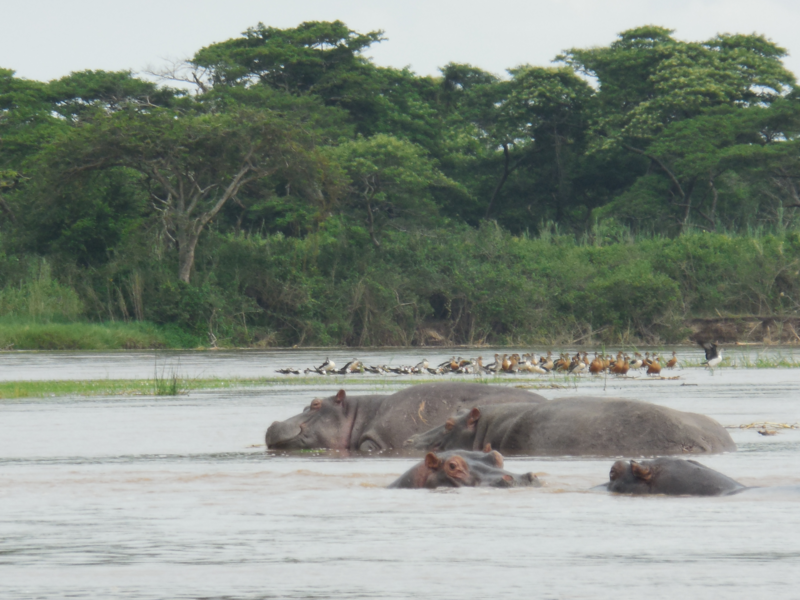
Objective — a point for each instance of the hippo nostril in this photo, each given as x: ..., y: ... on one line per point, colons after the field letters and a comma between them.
x: 532, y: 479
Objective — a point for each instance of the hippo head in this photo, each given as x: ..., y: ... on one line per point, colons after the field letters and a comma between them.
x: 669, y: 475
x: 457, y: 432
x: 463, y: 469
x: 630, y: 477
x: 325, y: 423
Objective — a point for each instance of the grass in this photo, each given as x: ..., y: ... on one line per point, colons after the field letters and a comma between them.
x: 745, y: 361
x: 172, y: 385
x: 25, y: 334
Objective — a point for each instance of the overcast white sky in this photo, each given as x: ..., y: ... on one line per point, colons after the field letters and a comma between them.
x: 47, y: 39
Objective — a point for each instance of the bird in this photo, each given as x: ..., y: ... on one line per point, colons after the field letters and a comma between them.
x: 354, y: 366
x: 327, y: 366
x: 713, y: 354
x: 577, y: 365
x: 421, y: 366
x: 288, y: 371
x: 546, y: 362
x: 653, y: 367
x: 672, y: 361
x: 596, y: 366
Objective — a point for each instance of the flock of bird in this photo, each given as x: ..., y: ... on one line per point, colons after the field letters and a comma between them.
x: 515, y: 363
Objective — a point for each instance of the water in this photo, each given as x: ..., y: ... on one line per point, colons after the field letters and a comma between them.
x: 142, y: 497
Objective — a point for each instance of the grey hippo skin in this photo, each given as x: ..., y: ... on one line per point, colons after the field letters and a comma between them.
x: 670, y: 476
x: 579, y: 426
x: 369, y: 423
x: 462, y: 468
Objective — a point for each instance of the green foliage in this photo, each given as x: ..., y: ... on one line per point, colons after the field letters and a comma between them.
x: 304, y: 195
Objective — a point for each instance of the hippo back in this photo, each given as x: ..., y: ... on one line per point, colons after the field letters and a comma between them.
x: 421, y: 407
x: 590, y: 426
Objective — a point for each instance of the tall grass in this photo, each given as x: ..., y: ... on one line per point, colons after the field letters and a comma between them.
x: 40, y: 298
x: 24, y: 334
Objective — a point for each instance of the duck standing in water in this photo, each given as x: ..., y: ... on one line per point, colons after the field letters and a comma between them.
x: 653, y: 366
x: 672, y: 362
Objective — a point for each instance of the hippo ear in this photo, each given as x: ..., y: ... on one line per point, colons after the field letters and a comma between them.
x: 473, y: 417
x: 641, y: 472
x: 432, y: 461
x: 340, y: 397
x: 498, y: 458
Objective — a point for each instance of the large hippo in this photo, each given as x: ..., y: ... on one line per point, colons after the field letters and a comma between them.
x: 670, y: 476
x: 579, y: 426
x: 461, y: 469
x: 370, y: 423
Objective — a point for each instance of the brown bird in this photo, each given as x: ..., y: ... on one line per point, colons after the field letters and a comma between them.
x: 672, y: 361
x: 621, y: 365
x: 547, y: 362
x: 596, y: 366
x: 653, y: 367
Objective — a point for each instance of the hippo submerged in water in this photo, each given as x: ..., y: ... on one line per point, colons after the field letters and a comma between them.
x: 670, y: 476
x: 369, y: 423
x: 580, y: 426
x: 463, y: 469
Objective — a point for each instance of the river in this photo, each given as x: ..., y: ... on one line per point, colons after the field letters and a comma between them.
x: 175, y: 497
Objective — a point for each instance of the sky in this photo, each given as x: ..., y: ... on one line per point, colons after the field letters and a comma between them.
x: 48, y: 39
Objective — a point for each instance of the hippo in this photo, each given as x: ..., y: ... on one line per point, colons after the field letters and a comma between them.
x: 381, y: 422
x: 461, y: 468
x: 670, y: 476
x: 579, y: 426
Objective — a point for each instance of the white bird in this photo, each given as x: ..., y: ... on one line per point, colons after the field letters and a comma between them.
x: 713, y: 354
x: 327, y: 366
x: 421, y: 366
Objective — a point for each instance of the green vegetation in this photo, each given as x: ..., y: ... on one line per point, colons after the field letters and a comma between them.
x: 744, y: 360
x: 301, y: 195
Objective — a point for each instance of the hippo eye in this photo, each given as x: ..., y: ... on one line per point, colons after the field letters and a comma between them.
x: 316, y: 404
x: 452, y: 465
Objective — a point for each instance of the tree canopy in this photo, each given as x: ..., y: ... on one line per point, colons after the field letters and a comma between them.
x: 296, y: 133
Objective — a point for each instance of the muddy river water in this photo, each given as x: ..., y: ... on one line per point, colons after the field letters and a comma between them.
x: 171, y: 497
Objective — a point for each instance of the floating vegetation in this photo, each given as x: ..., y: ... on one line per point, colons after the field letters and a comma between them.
x: 764, y: 425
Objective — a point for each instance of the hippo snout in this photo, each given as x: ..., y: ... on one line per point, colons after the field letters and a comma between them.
x: 280, y: 433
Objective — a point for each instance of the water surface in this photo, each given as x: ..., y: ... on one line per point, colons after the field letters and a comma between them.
x: 143, y: 497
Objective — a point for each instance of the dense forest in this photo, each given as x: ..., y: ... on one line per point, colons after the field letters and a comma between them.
x: 279, y: 188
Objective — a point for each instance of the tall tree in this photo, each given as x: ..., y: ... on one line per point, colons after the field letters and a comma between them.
x: 191, y: 164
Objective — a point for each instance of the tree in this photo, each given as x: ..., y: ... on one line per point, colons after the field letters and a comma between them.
x: 650, y: 83
x: 389, y: 180
x: 191, y: 164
